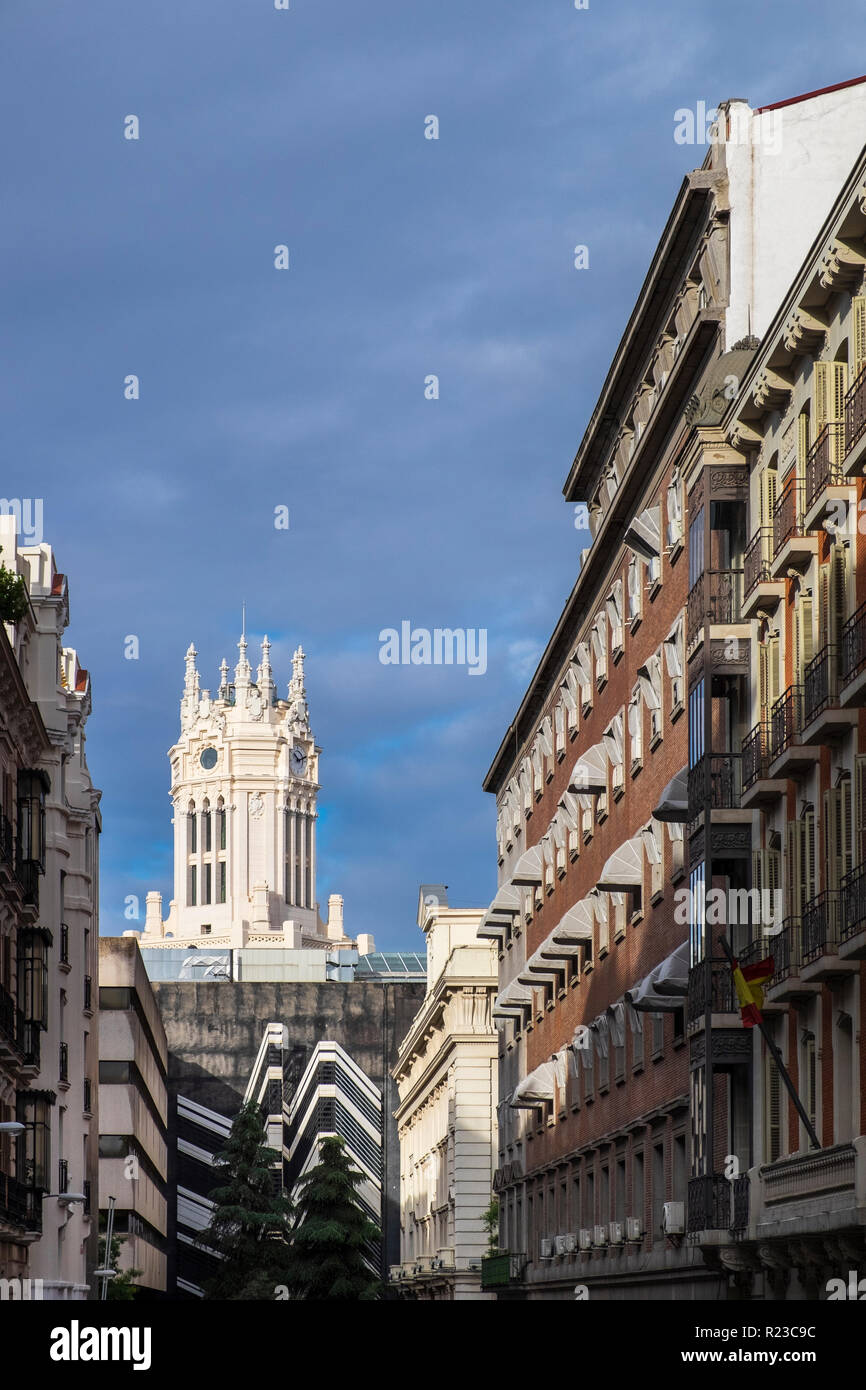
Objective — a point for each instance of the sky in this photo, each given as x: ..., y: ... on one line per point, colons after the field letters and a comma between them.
x: 308, y: 388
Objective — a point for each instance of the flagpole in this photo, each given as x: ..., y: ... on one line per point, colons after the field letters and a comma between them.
x: 777, y: 1058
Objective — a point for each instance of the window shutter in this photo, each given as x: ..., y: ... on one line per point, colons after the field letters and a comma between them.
x: 858, y: 332
x: 773, y: 691
x: 824, y: 624
x: 758, y: 877
x: 774, y: 873
x: 831, y: 839
x: 806, y: 645
x: 802, y: 443
x: 839, y: 386
x: 860, y: 807
x: 793, y: 869
x: 763, y: 675
x: 822, y: 401
x: 846, y: 846
x: 838, y: 577
x: 773, y: 1110
x: 807, y: 827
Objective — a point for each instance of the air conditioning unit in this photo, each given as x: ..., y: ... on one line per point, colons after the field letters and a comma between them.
x: 559, y: 1244
x: 599, y: 1236
x: 546, y: 1248
x: 584, y: 1240
x: 615, y: 1230
x: 673, y: 1223
x: 633, y: 1228
x: 570, y: 1244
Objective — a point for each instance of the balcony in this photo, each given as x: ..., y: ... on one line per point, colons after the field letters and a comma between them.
x: 788, y: 753
x: 500, y: 1271
x: 823, y: 716
x: 821, y: 922
x: 20, y: 1208
x: 717, y: 779
x: 852, y: 924
x: 85, y: 1188
x: 64, y: 944
x: 786, y: 948
x: 760, y: 589
x: 792, y: 545
x: 713, y: 600
x: 713, y: 978
x: 717, y: 1203
x: 827, y: 487
x: 855, y: 427
x: 809, y: 1194
x: 758, y: 787
x: 63, y: 1175
x: 88, y: 994
x: 30, y: 1044
x: 88, y: 1096
x: 852, y: 662
x: 63, y: 1072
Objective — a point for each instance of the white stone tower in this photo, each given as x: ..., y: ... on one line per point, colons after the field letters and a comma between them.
x: 244, y: 782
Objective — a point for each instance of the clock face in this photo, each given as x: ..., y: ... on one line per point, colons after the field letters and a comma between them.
x: 299, y: 760
x: 208, y: 758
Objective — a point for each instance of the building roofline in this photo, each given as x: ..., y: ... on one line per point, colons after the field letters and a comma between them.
x: 807, y: 96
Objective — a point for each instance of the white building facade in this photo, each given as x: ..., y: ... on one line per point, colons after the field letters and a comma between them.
x: 244, y: 787
x: 446, y: 1078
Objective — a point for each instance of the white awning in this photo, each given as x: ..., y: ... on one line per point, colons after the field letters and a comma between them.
x: 643, y: 535
x: 529, y: 869
x: 536, y: 1088
x: 589, y: 773
x: 576, y: 924
x: 673, y: 974
x: 674, y: 801
x: 507, y: 903
x: 624, y: 869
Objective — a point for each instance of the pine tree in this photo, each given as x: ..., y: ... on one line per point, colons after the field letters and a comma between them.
x: 332, y: 1233
x: 250, y: 1225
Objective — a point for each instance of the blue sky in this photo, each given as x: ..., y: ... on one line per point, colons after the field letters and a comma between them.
x: 408, y: 257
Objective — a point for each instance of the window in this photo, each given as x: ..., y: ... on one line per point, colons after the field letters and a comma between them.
x: 650, y: 679
x: 635, y: 727
x: 205, y: 931
x: 598, y: 642
x: 634, y: 580
x: 221, y: 881
x: 637, y: 1043
x: 206, y: 831
x: 602, y: 917
x: 32, y: 786
x: 34, y: 1112
x: 658, y: 1197
x: 613, y: 605
x: 674, y: 511
x: 658, y: 1035
x: 206, y: 883
x: 653, y: 848
x: 33, y: 978
x: 838, y: 834
x: 800, y: 878
x: 772, y: 1110
x: 673, y: 649
x: 613, y: 746
x: 583, y: 662
x: 191, y: 832
x: 193, y: 885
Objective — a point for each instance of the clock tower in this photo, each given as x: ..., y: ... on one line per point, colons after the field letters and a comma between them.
x: 244, y: 783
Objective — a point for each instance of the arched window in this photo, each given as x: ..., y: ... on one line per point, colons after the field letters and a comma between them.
x: 191, y: 830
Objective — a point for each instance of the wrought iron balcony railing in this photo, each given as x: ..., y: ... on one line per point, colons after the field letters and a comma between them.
x: 821, y: 683
x: 20, y: 1205
x: 756, y: 560
x: 853, y: 655
x: 85, y: 1188
x: 820, y: 927
x: 31, y: 1042
x: 63, y: 1175
x: 717, y: 777
x: 64, y: 944
x: 715, y: 598
x: 88, y: 992
x: 27, y: 874
x: 824, y: 462
x: 852, y: 908
x: 717, y: 1203
x: 710, y: 978
x: 855, y: 411
x: 786, y: 720
x: 788, y: 514
x: 756, y: 755
x: 786, y: 948
x: 88, y: 1094
x: 64, y: 1061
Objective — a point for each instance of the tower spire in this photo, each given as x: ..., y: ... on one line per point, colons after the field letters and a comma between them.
x: 243, y: 670
x: 264, y: 675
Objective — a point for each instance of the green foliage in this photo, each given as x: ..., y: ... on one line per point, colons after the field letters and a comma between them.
x: 14, y: 599
x: 490, y: 1222
x: 332, y: 1234
x: 122, y: 1287
x: 250, y: 1225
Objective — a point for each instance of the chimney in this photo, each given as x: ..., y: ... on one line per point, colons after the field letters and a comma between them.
x: 153, y: 914
x: 334, y: 929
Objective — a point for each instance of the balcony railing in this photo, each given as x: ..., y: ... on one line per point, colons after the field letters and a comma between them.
x: 64, y: 1061
x: 88, y: 1095
x: 715, y: 598
x: 88, y: 992
x: 853, y: 656
x: 855, y: 411
x: 756, y: 755
x: 497, y: 1271
x: 821, y: 927
x: 788, y: 514
x: 824, y: 462
x: 7, y: 840
x: 63, y: 1175
x: 756, y: 560
x: 711, y: 1204
x: 27, y: 874
x: 20, y: 1205
x: 786, y: 720
x: 820, y: 683
x: 710, y: 978
x: 717, y: 777
x: 31, y: 1042
x: 786, y: 949
x: 852, y: 908
x: 85, y: 1188
x: 64, y: 944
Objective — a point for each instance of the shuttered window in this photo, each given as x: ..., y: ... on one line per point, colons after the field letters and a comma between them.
x: 859, y: 838
x: 772, y: 1110
x: 858, y: 332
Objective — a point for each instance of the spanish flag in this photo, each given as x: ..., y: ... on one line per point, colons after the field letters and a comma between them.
x: 748, y: 984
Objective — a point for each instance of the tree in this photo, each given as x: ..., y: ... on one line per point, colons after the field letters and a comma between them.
x: 490, y: 1222
x: 122, y: 1286
x: 14, y: 599
x: 332, y: 1237
x: 250, y: 1225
